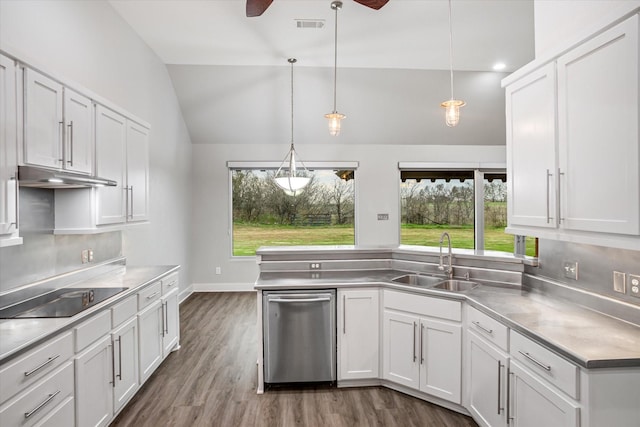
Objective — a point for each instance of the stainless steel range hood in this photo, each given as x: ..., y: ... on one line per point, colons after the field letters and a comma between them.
x: 33, y: 176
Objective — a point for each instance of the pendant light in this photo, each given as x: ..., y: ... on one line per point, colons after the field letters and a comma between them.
x: 287, y: 176
x: 452, y: 106
x: 334, y: 117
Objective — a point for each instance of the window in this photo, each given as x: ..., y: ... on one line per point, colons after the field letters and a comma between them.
x: 263, y: 215
x: 434, y: 201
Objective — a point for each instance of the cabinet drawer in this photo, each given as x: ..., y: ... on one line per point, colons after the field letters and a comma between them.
x: 123, y: 311
x: 38, y: 401
x: 487, y: 327
x: 545, y: 363
x: 427, y: 306
x: 169, y: 283
x: 94, y: 328
x: 149, y: 294
x: 25, y: 371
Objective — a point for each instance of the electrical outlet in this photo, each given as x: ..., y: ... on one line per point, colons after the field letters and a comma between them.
x: 634, y: 285
x: 570, y: 269
x: 90, y: 255
x: 619, y: 284
x: 85, y: 256
x: 315, y: 266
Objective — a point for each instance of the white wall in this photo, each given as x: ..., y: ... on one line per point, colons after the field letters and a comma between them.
x: 88, y: 43
x: 564, y: 20
x: 377, y: 191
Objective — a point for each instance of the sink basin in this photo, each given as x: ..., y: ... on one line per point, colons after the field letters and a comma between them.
x: 456, y: 285
x: 417, y: 280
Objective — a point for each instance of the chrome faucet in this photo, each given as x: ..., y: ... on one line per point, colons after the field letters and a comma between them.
x: 449, y: 269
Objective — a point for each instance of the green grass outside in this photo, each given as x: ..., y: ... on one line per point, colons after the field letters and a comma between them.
x: 249, y: 237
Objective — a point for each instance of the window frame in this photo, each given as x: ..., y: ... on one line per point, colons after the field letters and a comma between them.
x: 274, y: 165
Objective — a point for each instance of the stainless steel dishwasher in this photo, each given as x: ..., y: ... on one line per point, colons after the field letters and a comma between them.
x: 299, y: 336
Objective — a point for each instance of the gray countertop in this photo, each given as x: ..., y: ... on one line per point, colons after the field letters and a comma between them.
x: 586, y: 337
x: 20, y: 335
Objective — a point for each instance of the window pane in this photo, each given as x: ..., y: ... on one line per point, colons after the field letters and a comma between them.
x: 263, y: 215
x: 432, y: 206
x: 495, y: 214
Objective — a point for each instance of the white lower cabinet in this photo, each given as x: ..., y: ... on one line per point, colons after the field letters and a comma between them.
x: 486, y: 382
x: 532, y: 403
x: 125, y: 342
x: 422, y: 344
x: 150, y: 339
x: 358, y: 331
x: 94, y: 384
x: 170, y: 322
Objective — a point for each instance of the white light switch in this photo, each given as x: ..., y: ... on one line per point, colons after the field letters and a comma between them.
x: 619, y: 284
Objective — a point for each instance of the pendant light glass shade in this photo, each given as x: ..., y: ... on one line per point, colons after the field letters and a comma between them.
x: 287, y: 176
x: 452, y: 106
x: 334, y: 117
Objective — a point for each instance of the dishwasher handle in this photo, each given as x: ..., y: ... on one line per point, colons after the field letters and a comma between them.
x: 293, y: 300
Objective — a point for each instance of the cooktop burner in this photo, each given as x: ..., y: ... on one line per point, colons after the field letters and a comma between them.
x: 65, y: 302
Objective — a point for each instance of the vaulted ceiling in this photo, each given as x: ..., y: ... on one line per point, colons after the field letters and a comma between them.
x: 232, y: 79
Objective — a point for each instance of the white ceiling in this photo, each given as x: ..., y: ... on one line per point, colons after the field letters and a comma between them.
x: 405, y: 34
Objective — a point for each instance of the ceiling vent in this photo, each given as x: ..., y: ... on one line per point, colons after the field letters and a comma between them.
x: 309, y: 23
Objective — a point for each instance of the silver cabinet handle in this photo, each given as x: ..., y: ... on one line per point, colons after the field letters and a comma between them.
x: 41, y: 405
x: 131, y: 201
x: 534, y: 360
x: 70, y: 126
x: 509, y: 376
x: 113, y: 364
x: 153, y: 295
x: 414, y: 341
x: 421, y: 344
x: 119, y: 357
x: 479, y: 326
x: 16, y: 223
x: 61, y: 139
x: 42, y: 365
x: 549, y: 217
x: 500, y: 409
x: 344, y: 314
x: 166, y: 317
x: 560, y: 175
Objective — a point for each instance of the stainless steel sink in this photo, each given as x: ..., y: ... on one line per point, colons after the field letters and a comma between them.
x: 417, y: 280
x: 456, y: 285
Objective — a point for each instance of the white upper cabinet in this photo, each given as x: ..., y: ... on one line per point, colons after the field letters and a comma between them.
x: 137, y: 172
x: 58, y: 125
x: 572, y: 143
x: 531, y: 149
x: 8, y: 154
x: 598, y: 131
x: 79, y: 137
x: 111, y: 138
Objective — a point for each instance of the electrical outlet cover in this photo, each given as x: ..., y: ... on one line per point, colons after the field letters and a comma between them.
x: 619, y: 284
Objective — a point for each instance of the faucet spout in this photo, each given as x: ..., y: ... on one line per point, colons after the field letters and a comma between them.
x: 449, y: 269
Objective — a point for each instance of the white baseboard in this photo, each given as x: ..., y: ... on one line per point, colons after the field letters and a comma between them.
x: 222, y: 287
x: 184, y: 294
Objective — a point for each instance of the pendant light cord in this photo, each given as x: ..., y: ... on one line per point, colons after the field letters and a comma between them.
x: 450, y: 50
x: 292, y: 61
x: 335, y: 55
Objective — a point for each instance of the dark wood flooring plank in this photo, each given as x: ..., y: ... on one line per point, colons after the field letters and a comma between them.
x: 211, y: 381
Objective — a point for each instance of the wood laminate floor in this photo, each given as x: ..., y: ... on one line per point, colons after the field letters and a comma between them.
x: 212, y: 379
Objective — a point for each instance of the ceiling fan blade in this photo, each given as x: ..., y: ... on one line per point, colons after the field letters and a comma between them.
x: 373, y: 4
x: 257, y: 7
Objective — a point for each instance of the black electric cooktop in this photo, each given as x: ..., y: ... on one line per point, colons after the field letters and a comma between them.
x: 59, y: 303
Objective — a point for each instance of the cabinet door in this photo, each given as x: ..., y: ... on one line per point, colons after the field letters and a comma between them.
x: 358, y: 330
x: 137, y: 172
x: 149, y: 340
x: 8, y: 145
x: 486, y: 382
x: 94, y: 383
x: 531, y: 149
x: 400, y: 347
x: 534, y: 404
x: 111, y: 133
x: 43, y: 121
x: 598, y: 132
x: 79, y: 136
x: 440, y: 359
x: 170, y: 322
x: 125, y: 342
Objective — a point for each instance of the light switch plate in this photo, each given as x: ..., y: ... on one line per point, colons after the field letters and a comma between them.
x: 619, y: 284
x: 383, y: 217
